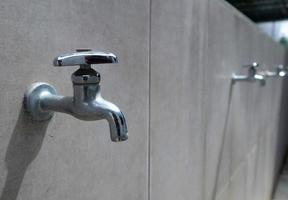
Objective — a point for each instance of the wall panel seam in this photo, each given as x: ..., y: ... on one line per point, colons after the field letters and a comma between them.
x: 149, y: 104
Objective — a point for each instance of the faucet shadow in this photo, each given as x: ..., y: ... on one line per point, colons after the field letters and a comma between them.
x: 223, y: 138
x: 281, y: 151
x: 24, y: 146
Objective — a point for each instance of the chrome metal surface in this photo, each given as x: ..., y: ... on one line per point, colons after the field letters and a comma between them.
x: 280, y: 70
x: 268, y: 73
x: 254, y: 64
x: 31, y: 101
x: 85, y: 76
x: 85, y: 57
x: 86, y: 104
x: 252, y: 75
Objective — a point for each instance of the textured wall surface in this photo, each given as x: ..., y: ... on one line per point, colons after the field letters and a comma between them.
x: 67, y: 158
x: 211, y: 139
x: 193, y: 135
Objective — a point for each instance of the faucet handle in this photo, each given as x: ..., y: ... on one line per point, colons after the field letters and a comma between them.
x: 252, y: 65
x: 252, y: 69
x: 84, y: 57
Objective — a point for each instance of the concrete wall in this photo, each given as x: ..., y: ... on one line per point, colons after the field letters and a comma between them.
x: 193, y: 135
x: 68, y: 158
x: 211, y: 139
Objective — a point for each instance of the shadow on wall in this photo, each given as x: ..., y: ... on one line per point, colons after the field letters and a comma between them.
x: 282, y: 139
x: 24, y: 145
x: 223, y: 138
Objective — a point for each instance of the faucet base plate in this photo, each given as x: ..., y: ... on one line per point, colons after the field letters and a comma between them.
x: 31, y: 102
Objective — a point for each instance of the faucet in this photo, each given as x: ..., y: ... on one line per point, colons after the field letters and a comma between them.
x: 252, y: 75
x: 41, y: 100
x: 280, y: 70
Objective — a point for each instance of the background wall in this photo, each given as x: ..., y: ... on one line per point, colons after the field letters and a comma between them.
x: 193, y: 135
x: 211, y: 139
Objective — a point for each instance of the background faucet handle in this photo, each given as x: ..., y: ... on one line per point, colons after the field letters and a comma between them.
x: 252, y: 65
x: 84, y: 57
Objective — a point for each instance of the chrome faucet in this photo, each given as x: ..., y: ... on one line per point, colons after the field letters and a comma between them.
x: 280, y: 70
x: 252, y: 75
x: 41, y: 100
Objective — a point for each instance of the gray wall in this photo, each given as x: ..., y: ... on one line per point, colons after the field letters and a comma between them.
x: 193, y: 135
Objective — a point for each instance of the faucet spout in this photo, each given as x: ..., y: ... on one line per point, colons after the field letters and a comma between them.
x: 86, y: 104
x: 116, y: 120
x: 90, y: 105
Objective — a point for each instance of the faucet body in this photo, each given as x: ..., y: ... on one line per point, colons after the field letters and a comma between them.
x: 252, y: 75
x: 41, y: 101
x: 87, y: 104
